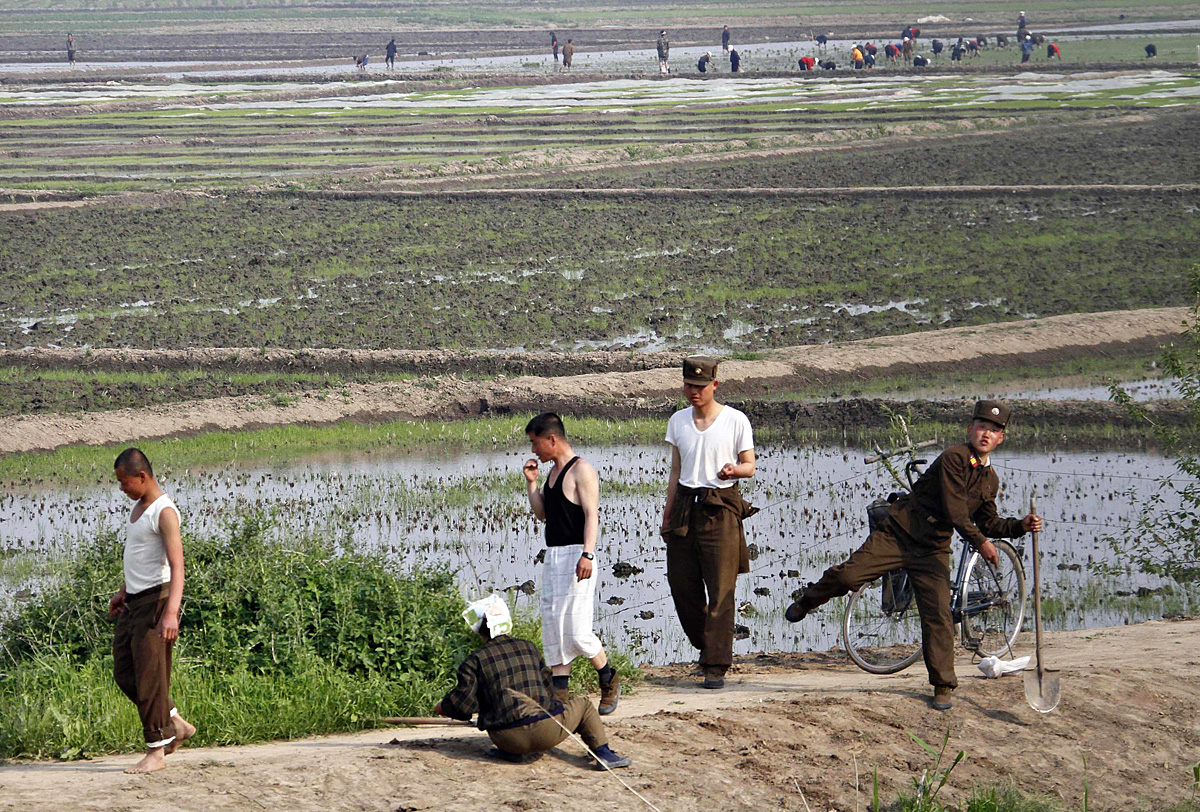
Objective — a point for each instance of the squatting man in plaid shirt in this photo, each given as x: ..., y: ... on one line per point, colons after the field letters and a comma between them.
x: 508, y: 684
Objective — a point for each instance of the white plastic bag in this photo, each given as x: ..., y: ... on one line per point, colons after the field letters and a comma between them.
x: 993, y: 667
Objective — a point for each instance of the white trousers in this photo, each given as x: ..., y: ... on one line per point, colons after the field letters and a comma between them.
x: 567, y: 608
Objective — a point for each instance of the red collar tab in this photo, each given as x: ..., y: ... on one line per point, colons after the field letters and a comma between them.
x: 974, y: 461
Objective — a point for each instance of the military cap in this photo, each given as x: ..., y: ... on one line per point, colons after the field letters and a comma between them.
x: 992, y: 411
x: 700, y: 370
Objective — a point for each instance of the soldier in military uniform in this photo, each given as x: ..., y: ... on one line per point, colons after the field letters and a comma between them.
x: 957, y: 492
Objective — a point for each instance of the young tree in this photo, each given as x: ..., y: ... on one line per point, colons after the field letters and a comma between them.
x: 1165, y: 539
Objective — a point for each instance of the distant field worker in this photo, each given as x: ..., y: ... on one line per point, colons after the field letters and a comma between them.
x: 725, y: 39
x: 507, y: 684
x: 936, y: 45
x: 891, y: 52
x: 957, y: 493
x: 664, y: 52
x: 973, y: 48
x: 822, y: 40
x: 568, y: 53
x: 146, y: 609
x: 1151, y: 51
x: 919, y: 61
x: 735, y: 61
x: 807, y: 63
x: 856, y: 56
x: 554, y: 46
x: 704, y: 62
x: 390, y: 54
x: 569, y: 505
x: 906, y: 49
x: 712, y: 447
x: 1052, y: 51
x: 70, y: 50
x: 828, y: 64
x: 1026, y: 49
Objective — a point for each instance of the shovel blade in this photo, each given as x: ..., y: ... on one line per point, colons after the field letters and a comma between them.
x: 1041, y: 690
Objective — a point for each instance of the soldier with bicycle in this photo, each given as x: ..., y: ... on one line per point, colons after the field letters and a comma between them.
x: 957, y: 492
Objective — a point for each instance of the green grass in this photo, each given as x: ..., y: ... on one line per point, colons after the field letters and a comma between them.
x: 280, y: 637
x: 90, y: 464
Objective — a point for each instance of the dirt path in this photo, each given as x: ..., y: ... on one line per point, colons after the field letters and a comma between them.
x: 785, y: 725
x: 448, y: 397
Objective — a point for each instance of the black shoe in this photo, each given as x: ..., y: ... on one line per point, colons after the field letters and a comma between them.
x: 606, y: 759
x: 504, y: 755
x: 796, y: 612
x: 714, y: 678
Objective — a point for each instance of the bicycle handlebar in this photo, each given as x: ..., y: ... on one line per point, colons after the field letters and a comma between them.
x: 883, y: 455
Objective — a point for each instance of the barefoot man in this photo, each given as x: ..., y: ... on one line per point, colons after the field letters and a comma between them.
x: 146, y: 609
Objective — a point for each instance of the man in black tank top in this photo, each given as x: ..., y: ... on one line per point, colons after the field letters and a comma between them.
x: 569, y: 505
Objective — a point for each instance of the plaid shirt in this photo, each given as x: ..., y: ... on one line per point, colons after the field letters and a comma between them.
x: 491, y: 680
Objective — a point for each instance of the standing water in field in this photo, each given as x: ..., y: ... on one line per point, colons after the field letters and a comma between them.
x: 468, y: 512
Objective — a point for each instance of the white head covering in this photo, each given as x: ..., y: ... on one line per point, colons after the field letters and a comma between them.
x: 493, y: 607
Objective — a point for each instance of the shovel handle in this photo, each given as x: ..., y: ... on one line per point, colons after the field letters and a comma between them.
x: 1037, y: 591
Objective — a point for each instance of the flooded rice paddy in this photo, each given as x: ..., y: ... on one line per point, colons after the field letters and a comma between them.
x: 618, y: 95
x: 468, y: 512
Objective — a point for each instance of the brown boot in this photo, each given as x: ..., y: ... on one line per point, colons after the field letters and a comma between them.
x: 610, y: 694
x: 943, y: 697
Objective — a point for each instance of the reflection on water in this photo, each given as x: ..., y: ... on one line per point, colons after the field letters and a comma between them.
x: 468, y: 512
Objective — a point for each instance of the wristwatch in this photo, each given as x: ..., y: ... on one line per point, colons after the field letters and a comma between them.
x: 589, y: 556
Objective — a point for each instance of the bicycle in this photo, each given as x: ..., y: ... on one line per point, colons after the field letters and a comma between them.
x: 881, y: 629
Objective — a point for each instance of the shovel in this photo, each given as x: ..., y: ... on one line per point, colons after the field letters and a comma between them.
x: 1041, y: 684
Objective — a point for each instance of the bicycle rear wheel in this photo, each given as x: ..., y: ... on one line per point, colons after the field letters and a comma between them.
x: 994, y: 606
x: 878, y: 640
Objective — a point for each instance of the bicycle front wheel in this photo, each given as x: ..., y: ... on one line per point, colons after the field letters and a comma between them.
x: 994, y: 606
x: 878, y: 640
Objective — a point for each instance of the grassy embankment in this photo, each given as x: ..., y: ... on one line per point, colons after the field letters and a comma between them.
x: 90, y: 465
x: 49, y: 390
x: 278, y: 639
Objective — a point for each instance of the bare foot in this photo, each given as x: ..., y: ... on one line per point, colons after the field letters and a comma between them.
x: 184, y: 730
x: 153, y: 761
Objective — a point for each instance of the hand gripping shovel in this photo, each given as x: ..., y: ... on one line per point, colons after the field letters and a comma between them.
x: 1041, y: 683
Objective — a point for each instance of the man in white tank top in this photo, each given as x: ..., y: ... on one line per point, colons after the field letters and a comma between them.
x: 146, y: 608
x: 712, y: 448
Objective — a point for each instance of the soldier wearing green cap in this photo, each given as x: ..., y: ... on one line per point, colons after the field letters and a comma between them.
x: 957, y: 492
x: 712, y: 447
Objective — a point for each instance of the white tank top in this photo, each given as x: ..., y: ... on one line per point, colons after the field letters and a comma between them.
x: 146, y: 564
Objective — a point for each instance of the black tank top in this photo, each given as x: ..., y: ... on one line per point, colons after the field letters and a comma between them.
x: 564, y: 518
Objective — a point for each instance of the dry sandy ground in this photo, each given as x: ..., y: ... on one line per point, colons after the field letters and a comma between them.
x: 784, y: 726
x: 1009, y: 344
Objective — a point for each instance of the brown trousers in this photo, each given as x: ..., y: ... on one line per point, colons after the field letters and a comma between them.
x: 142, y: 662
x: 928, y: 567
x: 579, y: 716
x: 705, y: 547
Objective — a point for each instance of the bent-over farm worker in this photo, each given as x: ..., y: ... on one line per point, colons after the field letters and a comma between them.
x: 506, y: 682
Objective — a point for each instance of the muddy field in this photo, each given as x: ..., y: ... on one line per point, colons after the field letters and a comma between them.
x: 744, y: 274
x: 1141, y: 147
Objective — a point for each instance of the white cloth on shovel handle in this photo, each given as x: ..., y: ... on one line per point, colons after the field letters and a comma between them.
x: 993, y: 667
